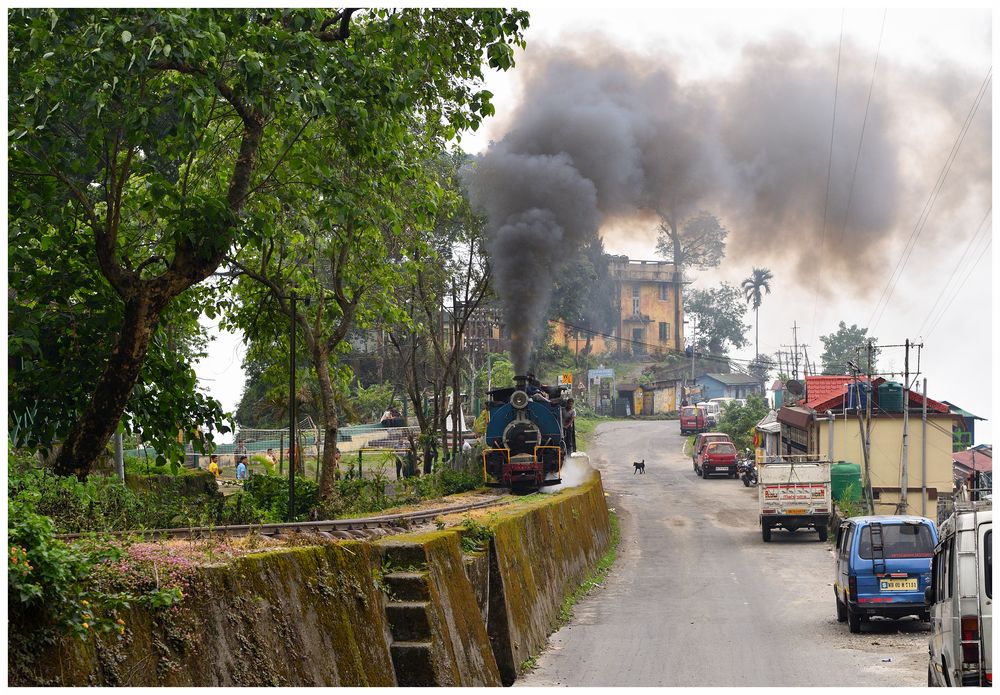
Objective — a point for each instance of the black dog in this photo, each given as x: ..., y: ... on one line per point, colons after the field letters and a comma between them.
x: 640, y: 467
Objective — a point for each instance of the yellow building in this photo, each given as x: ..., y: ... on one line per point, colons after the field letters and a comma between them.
x: 650, y: 302
x: 824, y: 430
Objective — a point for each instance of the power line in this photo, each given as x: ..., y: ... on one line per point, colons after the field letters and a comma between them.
x: 944, y: 312
x: 652, y: 346
x: 829, y: 168
x: 944, y: 289
x: 864, y: 123
x: 925, y: 213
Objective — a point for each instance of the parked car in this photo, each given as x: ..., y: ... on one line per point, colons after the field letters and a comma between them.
x: 961, y: 599
x: 716, y: 457
x: 703, y: 440
x: 693, y: 419
x: 712, y: 412
x: 883, y: 567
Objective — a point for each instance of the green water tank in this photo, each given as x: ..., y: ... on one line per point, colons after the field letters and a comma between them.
x: 845, y: 478
x: 890, y: 397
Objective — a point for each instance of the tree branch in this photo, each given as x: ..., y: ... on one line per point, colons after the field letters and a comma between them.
x: 343, y: 31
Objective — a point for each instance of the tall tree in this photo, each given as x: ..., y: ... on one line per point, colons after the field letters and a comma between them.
x: 719, y: 314
x: 585, y: 292
x: 698, y: 241
x: 167, y: 130
x: 752, y: 289
x: 841, y: 347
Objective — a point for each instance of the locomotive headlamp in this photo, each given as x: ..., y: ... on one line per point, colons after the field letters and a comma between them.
x: 519, y: 399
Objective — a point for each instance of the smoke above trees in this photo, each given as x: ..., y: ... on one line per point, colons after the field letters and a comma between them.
x: 605, y: 138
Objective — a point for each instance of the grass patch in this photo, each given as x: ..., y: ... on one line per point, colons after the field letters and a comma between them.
x: 585, y: 426
x: 597, y: 577
x: 689, y: 445
x: 528, y: 664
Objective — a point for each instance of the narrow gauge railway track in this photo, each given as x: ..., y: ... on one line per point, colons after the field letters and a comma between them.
x: 334, y: 528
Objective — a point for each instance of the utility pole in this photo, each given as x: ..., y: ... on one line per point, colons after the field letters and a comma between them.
x: 905, y: 463
x: 923, y: 454
x: 868, y: 434
x: 795, y: 340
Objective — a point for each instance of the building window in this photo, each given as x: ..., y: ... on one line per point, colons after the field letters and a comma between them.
x: 664, y: 331
x: 635, y: 299
x: 664, y: 291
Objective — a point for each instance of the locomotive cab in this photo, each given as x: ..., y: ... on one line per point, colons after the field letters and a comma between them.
x: 524, y: 436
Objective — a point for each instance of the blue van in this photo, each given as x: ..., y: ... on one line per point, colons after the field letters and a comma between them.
x: 883, y: 567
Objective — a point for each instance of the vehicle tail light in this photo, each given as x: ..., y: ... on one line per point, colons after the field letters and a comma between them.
x: 852, y: 588
x: 989, y: 677
x: 970, y: 639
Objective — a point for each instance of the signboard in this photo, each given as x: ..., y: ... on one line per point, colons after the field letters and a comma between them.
x: 595, y: 375
x: 566, y: 378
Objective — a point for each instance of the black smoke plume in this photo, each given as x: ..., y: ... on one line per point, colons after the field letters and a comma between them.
x: 605, y: 136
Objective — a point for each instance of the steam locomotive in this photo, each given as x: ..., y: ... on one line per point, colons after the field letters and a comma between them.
x: 525, y: 443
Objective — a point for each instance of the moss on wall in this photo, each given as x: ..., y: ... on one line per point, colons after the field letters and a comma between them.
x: 316, y: 615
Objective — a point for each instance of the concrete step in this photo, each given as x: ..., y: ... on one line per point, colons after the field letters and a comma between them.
x: 407, y: 586
x: 412, y: 663
x: 408, y: 620
x: 405, y: 555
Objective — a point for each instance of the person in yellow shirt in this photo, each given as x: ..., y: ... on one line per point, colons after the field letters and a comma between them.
x: 213, y: 465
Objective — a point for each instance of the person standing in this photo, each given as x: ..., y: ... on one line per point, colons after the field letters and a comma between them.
x: 241, y: 469
x: 213, y: 465
x: 569, y: 426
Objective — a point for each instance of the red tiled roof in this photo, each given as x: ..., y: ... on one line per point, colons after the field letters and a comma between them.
x: 984, y: 462
x: 836, y: 399
x: 822, y: 388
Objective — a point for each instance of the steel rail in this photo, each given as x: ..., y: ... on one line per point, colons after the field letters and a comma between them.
x: 329, y: 526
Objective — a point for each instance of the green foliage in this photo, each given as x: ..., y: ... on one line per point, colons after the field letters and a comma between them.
x: 475, y: 535
x: 371, y: 402
x: 761, y: 367
x: 759, y: 280
x: 148, y: 143
x: 841, y: 347
x: 270, y: 495
x: 719, y: 314
x: 738, y: 421
x: 697, y: 242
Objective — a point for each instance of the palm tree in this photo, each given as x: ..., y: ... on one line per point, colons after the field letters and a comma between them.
x: 752, y: 287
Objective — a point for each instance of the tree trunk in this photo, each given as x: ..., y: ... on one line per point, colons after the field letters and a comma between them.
x: 94, y: 429
x: 328, y: 467
x: 756, y: 337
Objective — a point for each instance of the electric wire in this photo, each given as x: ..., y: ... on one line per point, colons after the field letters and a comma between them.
x: 864, y: 123
x: 973, y: 240
x: 944, y: 312
x: 829, y: 168
x: 652, y: 346
x: 928, y: 206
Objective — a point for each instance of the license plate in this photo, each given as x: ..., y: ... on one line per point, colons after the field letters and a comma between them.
x: 897, y: 584
x: 795, y: 511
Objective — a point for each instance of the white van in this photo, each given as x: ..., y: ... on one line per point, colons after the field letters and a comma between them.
x: 961, y: 599
x: 712, y: 412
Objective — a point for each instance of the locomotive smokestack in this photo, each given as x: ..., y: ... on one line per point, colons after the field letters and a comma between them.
x: 521, y: 381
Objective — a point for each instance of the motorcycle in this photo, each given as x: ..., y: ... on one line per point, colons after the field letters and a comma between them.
x: 746, y: 469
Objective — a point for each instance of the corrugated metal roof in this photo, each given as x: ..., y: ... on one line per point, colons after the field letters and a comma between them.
x: 734, y: 379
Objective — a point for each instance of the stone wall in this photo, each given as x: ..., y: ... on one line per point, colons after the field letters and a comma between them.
x: 408, y: 610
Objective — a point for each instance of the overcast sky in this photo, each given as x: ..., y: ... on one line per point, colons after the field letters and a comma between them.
x: 931, y: 66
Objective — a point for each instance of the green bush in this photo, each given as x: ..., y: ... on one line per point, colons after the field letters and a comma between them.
x: 269, y: 494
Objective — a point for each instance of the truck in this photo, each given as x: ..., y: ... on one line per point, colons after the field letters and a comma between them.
x: 794, y: 495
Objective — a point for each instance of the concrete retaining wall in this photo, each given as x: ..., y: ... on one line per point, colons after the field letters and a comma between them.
x: 408, y: 610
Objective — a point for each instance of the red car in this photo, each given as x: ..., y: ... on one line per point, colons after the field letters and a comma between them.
x: 693, y: 419
x: 703, y: 440
x: 717, y: 457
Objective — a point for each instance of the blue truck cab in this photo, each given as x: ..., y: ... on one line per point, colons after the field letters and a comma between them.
x: 883, y: 567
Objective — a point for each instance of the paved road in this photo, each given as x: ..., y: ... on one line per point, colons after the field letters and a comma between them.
x: 697, y: 599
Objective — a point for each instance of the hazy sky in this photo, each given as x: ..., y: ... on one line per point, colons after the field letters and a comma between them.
x: 931, y: 65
